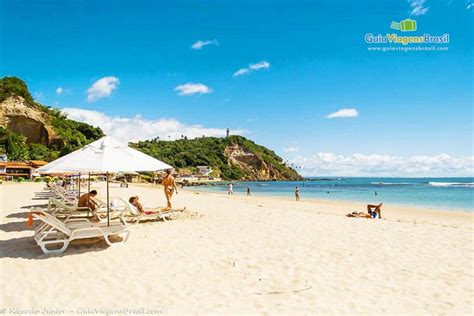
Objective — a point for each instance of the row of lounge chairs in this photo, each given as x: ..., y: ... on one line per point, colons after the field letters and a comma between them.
x: 63, y: 221
x: 53, y: 231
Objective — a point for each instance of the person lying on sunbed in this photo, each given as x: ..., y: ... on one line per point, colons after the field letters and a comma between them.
x: 87, y: 200
x: 134, y: 201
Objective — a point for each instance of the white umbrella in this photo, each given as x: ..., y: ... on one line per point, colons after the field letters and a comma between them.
x: 103, y: 156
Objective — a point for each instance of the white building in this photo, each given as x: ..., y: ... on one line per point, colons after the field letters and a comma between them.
x: 204, y: 170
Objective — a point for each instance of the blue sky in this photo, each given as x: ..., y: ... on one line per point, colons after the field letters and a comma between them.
x: 310, y: 57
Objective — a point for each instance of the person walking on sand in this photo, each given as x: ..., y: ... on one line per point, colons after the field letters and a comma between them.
x: 169, y: 186
x: 230, y: 189
x: 248, y: 191
x: 297, y: 194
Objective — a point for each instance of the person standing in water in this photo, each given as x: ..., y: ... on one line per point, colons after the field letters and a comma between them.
x: 297, y: 194
x: 248, y: 191
x: 169, y: 186
x: 230, y: 190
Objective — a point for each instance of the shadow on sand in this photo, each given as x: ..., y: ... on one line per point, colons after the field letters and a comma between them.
x: 34, y: 206
x: 18, y: 215
x: 26, y: 248
x: 17, y: 226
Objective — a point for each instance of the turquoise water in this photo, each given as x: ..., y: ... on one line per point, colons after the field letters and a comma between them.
x: 441, y: 193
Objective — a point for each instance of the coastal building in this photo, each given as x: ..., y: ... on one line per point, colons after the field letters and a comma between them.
x: 204, y: 170
x: 16, y: 169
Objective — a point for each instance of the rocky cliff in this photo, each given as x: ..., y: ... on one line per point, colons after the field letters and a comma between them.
x: 254, y: 167
x: 21, y: 117
x: 29, y: 130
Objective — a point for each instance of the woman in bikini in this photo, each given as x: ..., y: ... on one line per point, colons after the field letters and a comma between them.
x: 134, y: 201
x: 169, y: 186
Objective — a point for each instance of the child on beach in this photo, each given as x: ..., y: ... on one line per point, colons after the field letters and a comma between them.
x: 297, y: 194
x: 230, y: 190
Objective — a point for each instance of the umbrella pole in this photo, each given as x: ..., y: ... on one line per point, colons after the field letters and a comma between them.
x: 88, y: 191
x: 108, y: 213
x: 79, y: 187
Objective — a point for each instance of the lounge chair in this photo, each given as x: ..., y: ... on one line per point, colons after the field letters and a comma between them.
x: 70, y: 222
x: 100, y: 204
x: 60, y: 208
x: 53, y: 231
x: 132, y: 214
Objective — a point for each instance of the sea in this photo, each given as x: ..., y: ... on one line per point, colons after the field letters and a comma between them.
x: 437, y: 193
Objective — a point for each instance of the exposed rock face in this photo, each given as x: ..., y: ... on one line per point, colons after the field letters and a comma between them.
x: 19, y: 116
x: 253, y: 166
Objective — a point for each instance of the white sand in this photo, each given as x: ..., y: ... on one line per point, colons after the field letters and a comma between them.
x: 245, y: 255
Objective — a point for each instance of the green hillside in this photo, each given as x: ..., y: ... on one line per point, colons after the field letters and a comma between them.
x: 210, y: 151
x: 70, y: 134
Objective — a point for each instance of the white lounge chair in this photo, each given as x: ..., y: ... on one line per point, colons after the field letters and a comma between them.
x: 56, y: 232
x: 60, y: 208
x: 70, y: 222
x: 132, y: 214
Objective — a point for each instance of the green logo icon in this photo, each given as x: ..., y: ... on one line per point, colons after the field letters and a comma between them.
x: 407, y: 25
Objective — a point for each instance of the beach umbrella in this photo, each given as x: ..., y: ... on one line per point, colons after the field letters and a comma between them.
x: 105, y: 155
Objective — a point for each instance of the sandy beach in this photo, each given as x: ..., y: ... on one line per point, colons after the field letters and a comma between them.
x: 244, y: 255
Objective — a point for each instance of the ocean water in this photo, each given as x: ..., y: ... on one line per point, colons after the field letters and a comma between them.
x: 439, y: 193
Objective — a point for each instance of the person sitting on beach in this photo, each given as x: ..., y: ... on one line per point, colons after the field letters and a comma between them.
x: 359, y: 214
x: 134, y: 201
x: 87, y: 200
x: 377, y: 210
x: 371, y: 214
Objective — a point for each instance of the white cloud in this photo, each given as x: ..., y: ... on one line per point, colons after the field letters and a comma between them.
x: 201, y: 44
x: 344, y: 113
x: 261, y: 65
x: 252, y: 67
x: 331, y: 164
x: 417, y: 7
x: 102, y: 88
x: 290, y: 149
x: 192, y: 88
x: 240, y: 72
x: 59, y: 90
x: 136, y: 128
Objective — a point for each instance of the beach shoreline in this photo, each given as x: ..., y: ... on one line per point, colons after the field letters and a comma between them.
x: 425, y: 209
x: 448, y: 193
